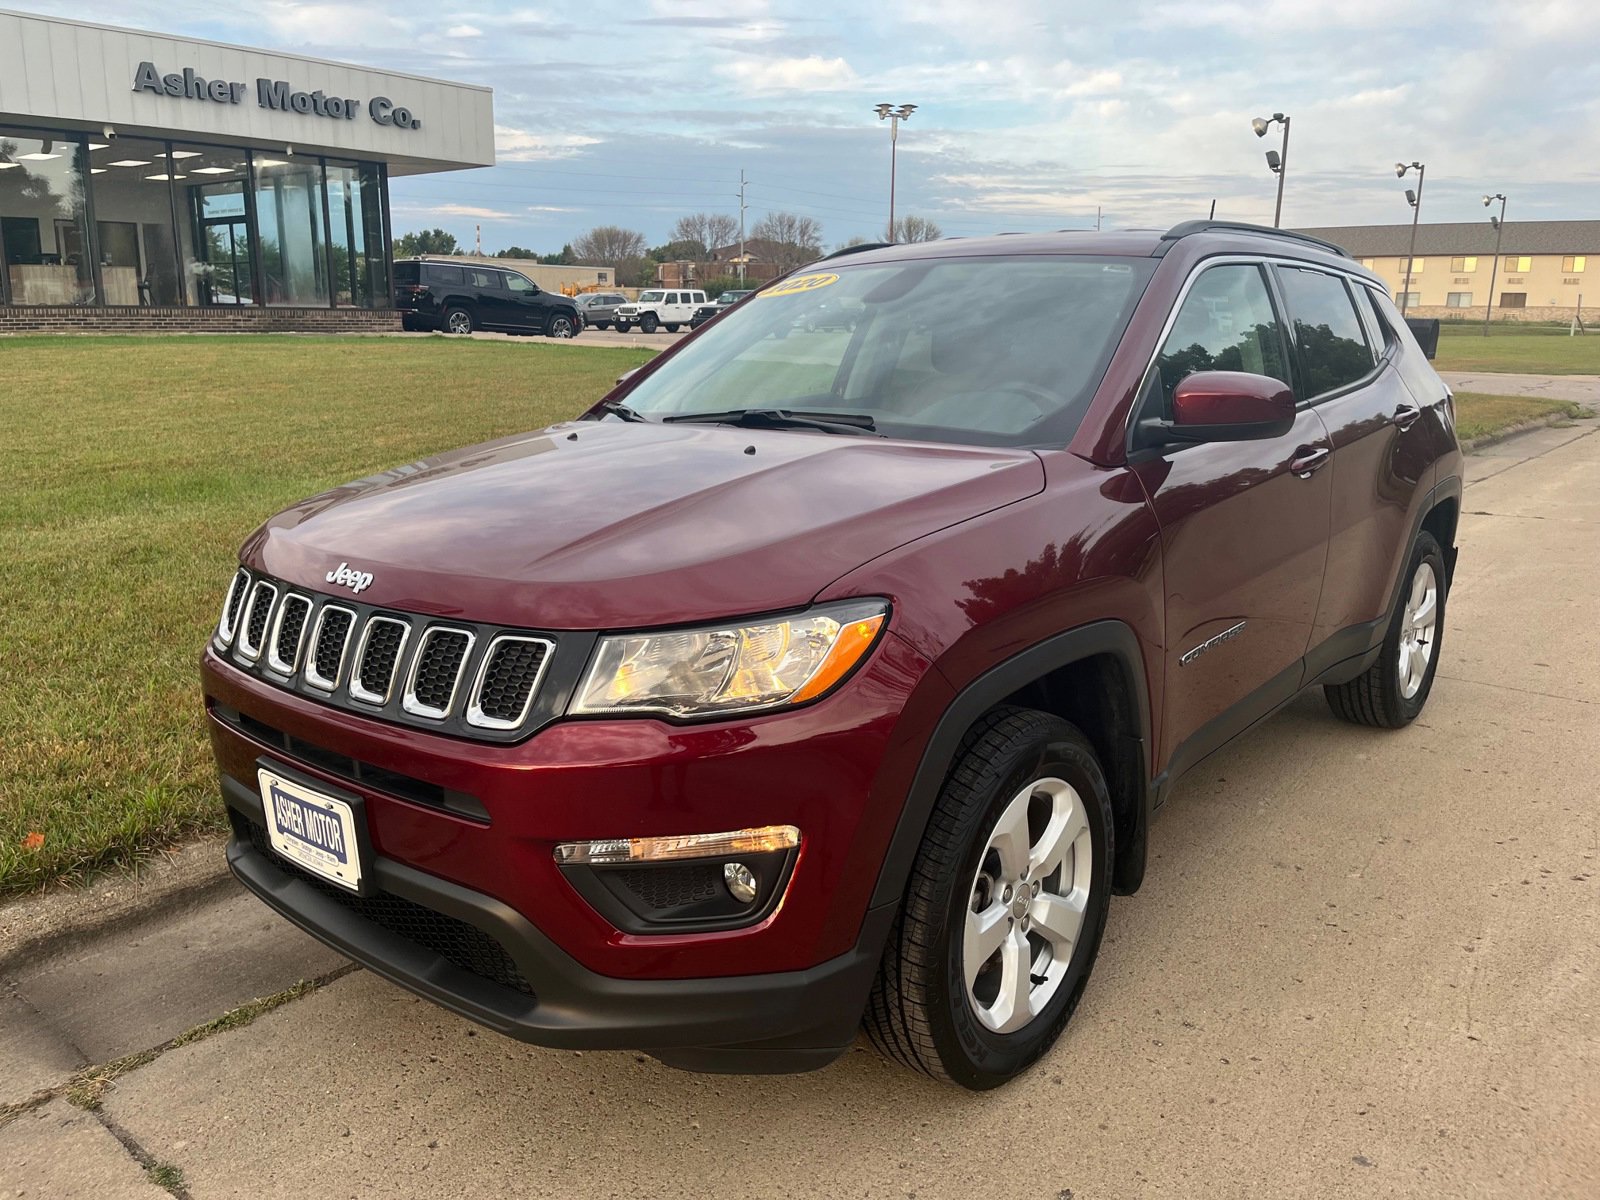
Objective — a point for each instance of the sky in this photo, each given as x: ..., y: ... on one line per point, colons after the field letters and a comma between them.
x: 1032, y: 114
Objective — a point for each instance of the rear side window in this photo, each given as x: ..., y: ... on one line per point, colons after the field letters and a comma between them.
x: 1226, y: 323
x: 1333, y: 345
x: 407, y: 273
x: 435, y: 273
x: 484, y: 279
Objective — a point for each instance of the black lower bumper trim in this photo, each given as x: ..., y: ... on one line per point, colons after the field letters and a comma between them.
x: 795, y: 1020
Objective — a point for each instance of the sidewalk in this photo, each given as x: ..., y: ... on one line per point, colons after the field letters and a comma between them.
x: 1362, y: 964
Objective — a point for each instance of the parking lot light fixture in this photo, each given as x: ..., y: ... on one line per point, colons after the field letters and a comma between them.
x: 1499, y: 224
x: 1277, y: 160
x: 1415, y: 200
x: 894, y: 115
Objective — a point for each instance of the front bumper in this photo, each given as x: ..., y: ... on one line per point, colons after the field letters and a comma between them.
x: 787, y: 991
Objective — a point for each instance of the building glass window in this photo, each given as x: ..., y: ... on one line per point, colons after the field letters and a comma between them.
x: 1464, y: 266
x: 1408, y: 299
x: 132, y: 180
x: 1514, y: 263
x: 1573, y: 264
x: 288, y: 201
x: 355, y: 235
x: 1513, y: 299
x: 214, y: 222
x: 44, y: 233
x: 1417, y: 264
x: 1458, y: 300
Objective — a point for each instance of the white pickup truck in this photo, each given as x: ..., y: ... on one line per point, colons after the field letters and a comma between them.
x: 658, y: 307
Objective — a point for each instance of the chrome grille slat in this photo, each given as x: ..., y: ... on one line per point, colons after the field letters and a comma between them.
x: 508, y: 680
x: 377, y: 659
x: 436, y: 670
x: 288, y: 634
x: 325, y: 663
x: 252, y: 634
x: 232, y: 604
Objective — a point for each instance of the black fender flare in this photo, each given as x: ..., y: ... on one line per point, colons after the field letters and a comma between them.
x: 1108, y: 637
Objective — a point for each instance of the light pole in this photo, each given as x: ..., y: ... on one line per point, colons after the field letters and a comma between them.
x: 1499, y: 224
x: 1277, y: 160
x: 893, y: 115
x: 1415, y: 200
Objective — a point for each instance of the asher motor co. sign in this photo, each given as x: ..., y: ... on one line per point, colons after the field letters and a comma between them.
x: 275, y: 94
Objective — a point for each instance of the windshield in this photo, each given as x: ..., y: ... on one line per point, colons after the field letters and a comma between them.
x: 650, y: 297
x: 985, y: 351
x: 730, y: 297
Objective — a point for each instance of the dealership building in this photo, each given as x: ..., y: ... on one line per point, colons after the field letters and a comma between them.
x: 156, y: 182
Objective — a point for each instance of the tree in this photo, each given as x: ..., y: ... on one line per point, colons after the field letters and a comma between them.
x: 678, y: 251
x: 521, y: 252
x: 706, y: 230
x: 429, y: 241
x: 916, y: 229
x: 613, y: 246
x: 794, y: 239
x: 858, y: 240
x: 564, y: 259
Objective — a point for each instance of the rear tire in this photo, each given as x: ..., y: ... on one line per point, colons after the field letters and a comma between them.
x: 648, y: 323
x: 458, y: 321
x: 1014, y: 870
x: 1391, y: 692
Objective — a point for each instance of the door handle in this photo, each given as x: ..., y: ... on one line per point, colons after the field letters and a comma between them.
x: 1308, y: 461
x: 1406, y: 415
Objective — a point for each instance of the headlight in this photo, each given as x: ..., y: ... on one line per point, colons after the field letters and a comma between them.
x: 731, y: 668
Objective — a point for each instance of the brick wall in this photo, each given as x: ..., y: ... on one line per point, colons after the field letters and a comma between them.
x: 1546, y: 313
x: 86, y: 319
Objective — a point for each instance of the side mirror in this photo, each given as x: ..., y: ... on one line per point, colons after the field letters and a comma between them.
x: 1229, y: 406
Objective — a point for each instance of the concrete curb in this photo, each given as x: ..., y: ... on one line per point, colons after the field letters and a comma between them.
x: 38, y: 926
x: 1511, y: 431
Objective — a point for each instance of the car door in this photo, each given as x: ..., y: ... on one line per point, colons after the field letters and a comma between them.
x: 494, y: 306
x: 532, y: 305
x: 1381, y: 451
x: 1244, y: 525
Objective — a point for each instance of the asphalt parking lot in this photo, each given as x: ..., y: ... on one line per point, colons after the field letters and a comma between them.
x: 1362, y: 964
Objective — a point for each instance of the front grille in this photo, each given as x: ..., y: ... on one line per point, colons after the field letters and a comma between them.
x: 437, y: 671
x: 379, y: 655
x: 511, y: 671
x: 284, y: 654
x: 484, y: 682
x: 457, y: 942
x: 327, y: 656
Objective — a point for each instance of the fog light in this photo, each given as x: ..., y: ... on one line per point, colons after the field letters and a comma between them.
x: 741, y: 882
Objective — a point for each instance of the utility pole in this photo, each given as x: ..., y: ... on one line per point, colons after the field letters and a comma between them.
x: 1499, y: 224
x: 1415, y: 200
x: 742, y: 206
x: 479, y: 250
x: 893, y: 115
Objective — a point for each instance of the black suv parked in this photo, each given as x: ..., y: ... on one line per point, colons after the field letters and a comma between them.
x: 457, y: 297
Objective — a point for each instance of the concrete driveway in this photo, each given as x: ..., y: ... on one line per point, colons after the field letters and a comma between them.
x: 1362, y: 964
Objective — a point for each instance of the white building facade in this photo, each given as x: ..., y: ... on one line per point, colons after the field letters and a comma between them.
x: 143, y: 176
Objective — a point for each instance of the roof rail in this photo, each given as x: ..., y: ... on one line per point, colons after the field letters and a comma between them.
x: 862, y: 248
x: 1184, y: 229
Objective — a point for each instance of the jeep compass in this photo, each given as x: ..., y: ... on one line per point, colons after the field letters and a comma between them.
x: 831, y: 673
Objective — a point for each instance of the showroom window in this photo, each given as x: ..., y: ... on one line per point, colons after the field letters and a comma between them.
x: 355, y: 235
x: 44, y: 230
x: 133, y: 182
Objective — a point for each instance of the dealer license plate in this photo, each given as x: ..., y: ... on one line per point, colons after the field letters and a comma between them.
x: 315, y: 831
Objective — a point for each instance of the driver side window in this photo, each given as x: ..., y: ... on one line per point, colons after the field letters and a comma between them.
x: 520, y: 286
x: 1227, y: 323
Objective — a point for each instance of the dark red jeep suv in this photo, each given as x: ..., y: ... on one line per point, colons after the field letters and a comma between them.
x: 831, y: 671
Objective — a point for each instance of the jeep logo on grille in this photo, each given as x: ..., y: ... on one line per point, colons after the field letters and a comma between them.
x: 344, y: 576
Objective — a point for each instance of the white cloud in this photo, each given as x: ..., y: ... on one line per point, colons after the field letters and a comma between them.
x: 518, y: 145
x: 463, y: 31
x: 469, y: 211
x: 771, y: 75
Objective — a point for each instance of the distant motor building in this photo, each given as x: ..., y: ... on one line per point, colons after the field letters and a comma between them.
x: 1543, y: 269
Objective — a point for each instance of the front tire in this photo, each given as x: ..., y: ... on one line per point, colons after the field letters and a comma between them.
x: 561, y: 326
x: 1005, y: 907
x: 1391, y: 692
x: 648, y: 323
x: 672, y: 329
x: 623, y: 327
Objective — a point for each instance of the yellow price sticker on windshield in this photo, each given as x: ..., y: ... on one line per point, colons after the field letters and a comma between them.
x: 801, y: 283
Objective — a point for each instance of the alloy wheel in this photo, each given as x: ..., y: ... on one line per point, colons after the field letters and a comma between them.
x: 460, y: 323
x: 1026, y: 909
x: 1418, y: 624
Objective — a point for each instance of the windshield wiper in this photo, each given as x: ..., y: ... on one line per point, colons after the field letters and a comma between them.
x: 783, y: 418
x: 622, y: 411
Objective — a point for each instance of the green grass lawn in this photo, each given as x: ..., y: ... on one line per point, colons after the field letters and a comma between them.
x: 1478, y: 414
x: 133, y: 468
x: 1518, y: 349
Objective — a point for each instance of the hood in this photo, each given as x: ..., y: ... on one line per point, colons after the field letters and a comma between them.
x: 607, y: 525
